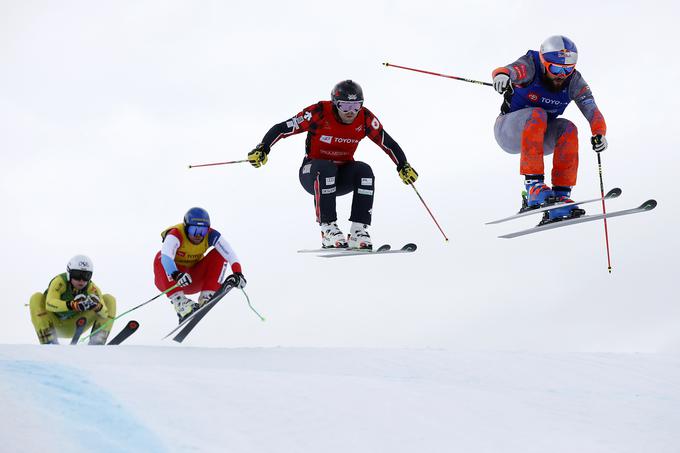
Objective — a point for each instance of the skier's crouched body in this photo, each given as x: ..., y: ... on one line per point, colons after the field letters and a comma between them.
x: 537, y: 88
x: 193, y: 259
x: 70, y: 296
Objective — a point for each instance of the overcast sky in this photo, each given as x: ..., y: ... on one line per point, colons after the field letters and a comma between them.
x: 104, y: 104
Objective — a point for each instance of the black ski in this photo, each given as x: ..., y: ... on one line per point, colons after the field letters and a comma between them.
x: 195, y: 320
x: 80, y: 328
x: 188, y: 321
x: 644, y: 207
x: 130, y: 328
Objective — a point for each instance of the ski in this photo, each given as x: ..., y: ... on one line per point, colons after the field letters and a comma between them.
x: 341, y: 250
x: 189, y: 326
x: 408, y: 248
x: 224, y: 289
x: 644, y: 207
x: 614, y: 193
x: 80, y: 328
x: 130, y: 328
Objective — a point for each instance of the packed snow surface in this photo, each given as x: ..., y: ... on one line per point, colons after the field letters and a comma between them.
x: 184, y: 399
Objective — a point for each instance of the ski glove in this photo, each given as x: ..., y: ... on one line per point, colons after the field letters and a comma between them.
x: 407, y: 173
x: 599, y: 143
x: 501, y: 83
x: 240, y: 280
x: 258, y: 156
x: 182, y: 278
x: 83, y: 302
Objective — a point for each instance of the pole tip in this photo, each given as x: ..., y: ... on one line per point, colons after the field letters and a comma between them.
x: 188, y: 166
x: 386, y: 64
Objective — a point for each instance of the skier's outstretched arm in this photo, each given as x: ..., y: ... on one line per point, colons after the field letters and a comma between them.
x: 376, y: 132
x: 302, y: 122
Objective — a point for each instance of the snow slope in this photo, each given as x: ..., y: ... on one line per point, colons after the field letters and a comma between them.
x: 156, y: 399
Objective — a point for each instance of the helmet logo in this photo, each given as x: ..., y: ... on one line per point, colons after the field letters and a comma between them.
x: 82, y: 263
x: 351, y: 97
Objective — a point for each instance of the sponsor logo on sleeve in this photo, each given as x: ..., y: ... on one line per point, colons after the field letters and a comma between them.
x: 330, y: 181
x: 326, y: 138
x: 306, y: 169
x: 365, y: 192
x: 327, y: 191
x: 375, y: 124
x: 366, y: 181
x: 533, y: 97
x: 307, y: 116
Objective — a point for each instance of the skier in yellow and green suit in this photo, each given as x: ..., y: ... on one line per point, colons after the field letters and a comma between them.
x: 70, y: 296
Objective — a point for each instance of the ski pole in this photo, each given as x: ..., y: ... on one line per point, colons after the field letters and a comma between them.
x: 430, y: 212
x: 604, y: 213
x: 130, y: 310
x: 251, y: 307
x: 439, y: 75
x: 219, y: 163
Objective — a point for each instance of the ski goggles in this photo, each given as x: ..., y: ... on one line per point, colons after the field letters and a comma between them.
x: 83, y: 276
x: 196, y: 230
x: 560, y: 69
x: 349, y: 106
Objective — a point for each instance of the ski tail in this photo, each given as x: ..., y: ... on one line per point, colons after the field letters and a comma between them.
x: 130, y: 328
x: 80, y: 328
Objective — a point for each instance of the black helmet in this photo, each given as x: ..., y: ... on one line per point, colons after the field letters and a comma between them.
x: 347, y: 90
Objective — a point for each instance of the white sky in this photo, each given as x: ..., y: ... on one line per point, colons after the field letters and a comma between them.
x: 105, y: 103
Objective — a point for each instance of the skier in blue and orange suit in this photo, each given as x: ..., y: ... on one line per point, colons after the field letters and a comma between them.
x: 334, y: 129
x: 537, y: 89
x: 184, y: 260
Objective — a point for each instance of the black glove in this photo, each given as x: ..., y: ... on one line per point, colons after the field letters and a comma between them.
x: 237, y: 280
x: 83, y: 302
x: 599, y: 143
x: 182, y: 278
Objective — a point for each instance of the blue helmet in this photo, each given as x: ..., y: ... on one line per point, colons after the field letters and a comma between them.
x: 197, y: 216
x: 560, y: 50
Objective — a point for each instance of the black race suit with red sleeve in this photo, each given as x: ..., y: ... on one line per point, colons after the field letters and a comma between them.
x: 329, y: 168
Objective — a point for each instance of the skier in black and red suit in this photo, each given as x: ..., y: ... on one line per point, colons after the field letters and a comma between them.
x: 334, y: 129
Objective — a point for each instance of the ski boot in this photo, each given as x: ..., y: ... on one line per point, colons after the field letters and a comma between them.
x: 205, y: 297
x: 359, y: 237
x: 332, y: 237
x: 183, y: 305
x: 537, y: 193
x: 48, y: 336
x: 98, y: 338
x: 562, y: 195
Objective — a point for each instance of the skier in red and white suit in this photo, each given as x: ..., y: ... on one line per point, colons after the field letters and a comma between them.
x: 334, y: 129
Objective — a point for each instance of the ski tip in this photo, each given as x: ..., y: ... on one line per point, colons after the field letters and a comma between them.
x: 648, y: 205
x: 410, y: 247
x: 615, y: 192
x: 133, y: 325
x: 383, y: 248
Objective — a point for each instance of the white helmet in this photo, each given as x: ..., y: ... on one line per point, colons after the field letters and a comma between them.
x: 80, y: 266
